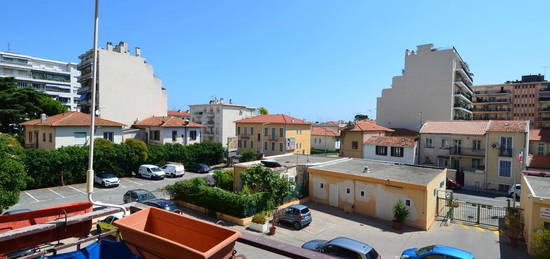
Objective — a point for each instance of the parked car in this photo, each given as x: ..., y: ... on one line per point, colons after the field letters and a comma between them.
x: 453, y: 184
x: 164, y: 204
x: 297, y: 215
x: 435, y: 251
x: 514, y: 188
x: 151, y: 172
x: 270, y: 163
x: 106, y: 180
x: 173, y: 169
x: 342, y: 247
x: 11, y: 212
x: 139, y: 195
x: 199, y: 168
x: 106, y: 224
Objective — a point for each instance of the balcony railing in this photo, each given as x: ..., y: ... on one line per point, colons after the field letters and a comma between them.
x: 545, y: 89
x: 496, y: 100
x: 273, y: 137
x: 245, y: 136
x: 461, y: 105
x: 466, y: 95
x: 544, y: 98
x: 489, y: 92
x: 491, y: 109
x: 457, y: 150
x: 505, y: 152
x: 544, y: 108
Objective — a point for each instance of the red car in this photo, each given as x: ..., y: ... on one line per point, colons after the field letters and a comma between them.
x: 452, y: 184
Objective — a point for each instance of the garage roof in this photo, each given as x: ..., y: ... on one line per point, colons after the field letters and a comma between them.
x: 540, y: 185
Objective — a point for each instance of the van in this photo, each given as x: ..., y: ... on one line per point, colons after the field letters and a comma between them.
x: 173, y: 169
x: 151, y: 172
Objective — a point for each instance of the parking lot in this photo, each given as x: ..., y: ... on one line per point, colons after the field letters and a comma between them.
x: 41, y: 198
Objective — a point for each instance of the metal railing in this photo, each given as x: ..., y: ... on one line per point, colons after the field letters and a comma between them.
x: 506, y: 152
x: 499, y: 100
x: 478, y: 213
x: 492, y: 92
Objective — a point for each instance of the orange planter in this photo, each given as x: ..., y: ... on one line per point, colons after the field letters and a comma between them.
x: 154, y: 233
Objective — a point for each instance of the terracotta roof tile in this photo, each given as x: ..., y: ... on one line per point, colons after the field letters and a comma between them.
x: 273, y: 118
x: 167, y: 122
x: 460, y: 127
x: 391, y: 141
x: 539, y: 135
x: 401, y: 132
x: 539, y: 161
x: 365, y: 125
x: 324, y: 131
x: 178, y: 113
x: 508, y: 126
x: 72, y: 119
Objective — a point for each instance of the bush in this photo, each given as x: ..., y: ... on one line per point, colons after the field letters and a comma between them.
x: 261, y: 179
x: 157, y: 155
x: 224, y: 179
x: 259, y: 219
x: 207, y: 152
x: 176, y: 153
x: 541, y: 244
x: 43, y: 168
x: 10, y: 146
x: 400, y: 212
x: 13, y: 174
x: 247, y: 155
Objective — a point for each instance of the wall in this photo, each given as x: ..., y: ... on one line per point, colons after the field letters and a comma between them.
x: 38, y: 137
x: 64, y: 136
x: 346, y: 139
x: 330, y: 143
x: 409, y: 154
x: 303, y: 139
x: 183, y: 135
x: 531, y: 213
x: 128, y: 89
x: 302, y: 133
x: 493, y: 158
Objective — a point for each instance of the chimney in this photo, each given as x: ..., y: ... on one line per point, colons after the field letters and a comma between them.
x: 43, y: 118
x: 122, y: 47
x: 138, y: 52
x: 109, y: 46
x: 221, y: 100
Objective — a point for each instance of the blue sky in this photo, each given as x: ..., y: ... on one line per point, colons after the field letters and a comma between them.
x: 312, y: 59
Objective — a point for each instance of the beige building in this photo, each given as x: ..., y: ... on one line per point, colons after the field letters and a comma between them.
x: 535, y: 202
x: 525, y: 99
x: 325, y: 138
x: 180, y: 114
x: 539, y: 149
x: 68, y: 129
x: 372, y: 188
x: 485, y: 154
x: 127, y: 88
x: 354, y: 135
x: 274, y: 134
x: 162, y: 130
x: 434, y: 85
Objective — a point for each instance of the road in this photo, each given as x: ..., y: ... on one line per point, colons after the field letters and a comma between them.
x: 476, y: 197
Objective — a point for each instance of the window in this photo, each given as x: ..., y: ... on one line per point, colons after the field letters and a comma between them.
x: 109, y: 135
x: 429, y: 143
x: 30, y: 136
x: 251, y: 144
x: 50, y: 138
x: 273, y: 132
x: 245, y: 131
x: 397, y: 151
x: 322, y: 185
x: 193, y: 135
x: 362, y: 193
x: 476, y: 163
x: 154, y: 135
x: 266, y: 131
x: 79, y: 138
x: 354, y: 145
x: 506, y: 146
x: 408, y: 203
x: 505, y: 168
x: 319, y: 141
x: 239, y: 144
x: 444, y: 143
x: 244, y: 143
x: 476, y: 145
x: 540, y: 149
x: 280, y: 147
x: 238, y: 130
x: 265, y: 145
x: 381, y: 150
x: 259, y: 137
x: 43, y: 136
x: 272, y: 146
x: 174, y: 135
x: 348, y: 190
x: 281, y: 132
x: 251, y: 131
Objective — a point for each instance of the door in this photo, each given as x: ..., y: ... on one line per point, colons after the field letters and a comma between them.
x: 333, y: 195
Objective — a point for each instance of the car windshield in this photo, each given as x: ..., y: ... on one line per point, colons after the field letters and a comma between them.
x: 107, y: 176
x: 155, y: 169
x: 143, y: 196
x: 202, y: 166
x: 171, y: 207
x: 304, y: 211
x: 373, y: 254
x: 424, y: 250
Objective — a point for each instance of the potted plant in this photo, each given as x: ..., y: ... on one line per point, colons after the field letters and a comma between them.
x: 274, y: 221
x: 512, y: 222
x: 259, y: 223
x: 400, y: 213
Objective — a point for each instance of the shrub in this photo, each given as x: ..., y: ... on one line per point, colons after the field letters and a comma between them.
x: 74, y: 163
x: 139, y: 148
x: 259, y: 219
x: 10, y: 146
x: 224, y: 179
x: 176, y: 153
x: 43, y: 168
x: 541, y: 244
x: 261, y: 179
x: 400, y: 212
x: 157, y: 155
x: 13, y: 174
x: 104, y: 157
x: 247, y: 155
x: 207, y: 152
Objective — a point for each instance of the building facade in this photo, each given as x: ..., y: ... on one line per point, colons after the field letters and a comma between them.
x: 539, y: 149
x: 180, y: 114
x: 535, y: 203
x: 435, y: 85
x: 166, y: 129
x: 391, y: 149
x: 218, y: 119
x: 57, y: 79
x: 68, y: 129
x: 274, y: 134
x: 325, y: 138
x: 355, y: 134
x: 525, y: 99
x: 127, y: 88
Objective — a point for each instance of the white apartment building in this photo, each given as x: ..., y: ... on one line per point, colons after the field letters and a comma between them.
x: 435, y: 85
x: 57, y: 79
x: 127, y: 88
x: 219, y: 119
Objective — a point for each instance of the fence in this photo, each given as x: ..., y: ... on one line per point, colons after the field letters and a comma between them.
x: 478, y: 213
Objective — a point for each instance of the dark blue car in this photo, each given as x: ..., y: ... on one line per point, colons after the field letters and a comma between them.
x: 443, y: 252
x: 163, y: 204
x: 198, y: 168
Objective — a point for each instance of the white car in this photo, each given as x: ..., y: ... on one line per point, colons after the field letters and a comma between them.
x: 516, y: 189
x: 173, y: 169
x: 151, y: 172
x: 106, y: 180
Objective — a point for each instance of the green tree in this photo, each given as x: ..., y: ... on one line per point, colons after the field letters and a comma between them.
x: 360, y: 117
x: 44, y: 168
x: 157, y: 155
x: 224, y: 179
x: 20, y: 104
x: 104, y: 154
x: 247, y: 155
x: 206, y: 152
x: 541, y: 244
x: 263, y: 111
x: 13, y: 174
x: 262, y: 179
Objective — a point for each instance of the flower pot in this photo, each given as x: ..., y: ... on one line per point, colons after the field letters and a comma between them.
x: 272, y: 231
x: 396, y: 224
x: 262, y: 228
x: 155, y: 233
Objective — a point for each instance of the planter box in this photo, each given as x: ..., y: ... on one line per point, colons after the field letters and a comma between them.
x: 155, y: 233
x: 262, y: 228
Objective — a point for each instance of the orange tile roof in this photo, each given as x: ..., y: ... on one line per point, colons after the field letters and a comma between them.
x: 460, y: 127
x: 178, y: 113
x: 273, y: 118
x: 539, y: 161
x: 324, y: 131
x: 539, y: 135
x: 365, y: 125
x: 391, y: 141
x: 401, y: 132
x: 72, y: 119
x: 166, y: 122
x: 508, y: 126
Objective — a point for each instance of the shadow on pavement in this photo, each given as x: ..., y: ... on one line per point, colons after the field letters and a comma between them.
x: 512, y: 252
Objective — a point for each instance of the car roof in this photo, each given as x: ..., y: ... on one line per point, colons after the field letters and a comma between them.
x: 138, y: 190
x: 448, y: 250
x: 11, y: 212
x: 149, y: 165
x: 351, y: 244
x: 298, y: 206
x: 161, y: 202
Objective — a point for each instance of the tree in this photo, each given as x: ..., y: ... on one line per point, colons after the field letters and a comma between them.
x: 359, y: 117
x: 21, y: 104
x: 206, y: 152
x: 262, y: 179
x: 263, y: 111
x: 247, y: 155
x: 13, y: 174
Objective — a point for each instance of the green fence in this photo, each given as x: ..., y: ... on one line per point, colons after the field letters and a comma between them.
x: 484, y: 214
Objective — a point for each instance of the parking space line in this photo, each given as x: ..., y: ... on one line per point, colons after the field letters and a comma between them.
x: 133, y: 182
x: 76, y: 189
x: 497, y: 233
x: 479, y: 229
x: 35, y: 199
x: 463, y: 226
x: 56, y: 193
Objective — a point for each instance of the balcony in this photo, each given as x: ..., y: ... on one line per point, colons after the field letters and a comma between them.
x: 506, y: 152
x: 483, y: 110
x: 245, y: 136
x: 492, y: 100
x: 464, y: 85
x: 461, y: 151
x: 273, y: 137
x: 464, y: 96
x: 544, y: 98
x: 463, y: 107
x: 492, y: 92
x: 545, y: 89
x: 544, y: 109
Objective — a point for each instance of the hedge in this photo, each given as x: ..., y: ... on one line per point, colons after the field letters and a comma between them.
x: 239, y: 205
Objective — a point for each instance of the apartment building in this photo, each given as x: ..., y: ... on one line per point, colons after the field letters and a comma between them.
x: 525, y: 99
x: 325, y: 138
x: 354, y: 134
x: 434, y: 85
x: 274, y: 134
x: 127, y: 88
x: 167, y: 129
x: 486, y: 154
x: 57, y: 79
x: 218, y: 119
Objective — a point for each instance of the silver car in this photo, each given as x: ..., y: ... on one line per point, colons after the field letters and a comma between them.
x: 297, y: 215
